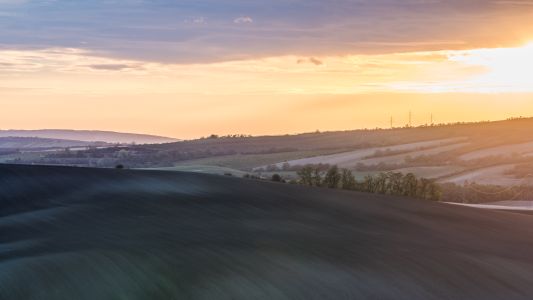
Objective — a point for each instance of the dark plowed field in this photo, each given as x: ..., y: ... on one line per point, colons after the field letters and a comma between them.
x: 72, y: 233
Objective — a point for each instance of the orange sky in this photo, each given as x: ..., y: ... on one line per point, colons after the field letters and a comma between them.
x: 262, y: 115
x: 274, y: 95
x: 325, y: 77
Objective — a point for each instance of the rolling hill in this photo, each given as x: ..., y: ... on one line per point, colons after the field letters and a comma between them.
x: 81, y: 233
x: 498, y: 153
x: 31, y: 143
x: 89, y: 136
x: 482, y: 134
x: 495, y: 153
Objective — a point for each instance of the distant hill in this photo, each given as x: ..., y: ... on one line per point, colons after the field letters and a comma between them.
x: 89, y: 136
x: 42, y: 143
x: 498, y: 153
x: 482, y: 134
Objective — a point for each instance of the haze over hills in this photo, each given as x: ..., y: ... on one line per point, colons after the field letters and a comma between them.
x: 499, y: 152
x: 33, y: 143
x: 485, y: 133
x: 89, y: 136
x: 449, y: 153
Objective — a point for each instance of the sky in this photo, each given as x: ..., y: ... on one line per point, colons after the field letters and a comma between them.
x: 192, y: 68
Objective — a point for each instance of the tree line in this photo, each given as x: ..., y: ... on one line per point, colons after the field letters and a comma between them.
x: 398, y: 184
x: 389, y: 183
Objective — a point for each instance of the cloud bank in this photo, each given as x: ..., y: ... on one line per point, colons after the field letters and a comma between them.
x: 201, y: 31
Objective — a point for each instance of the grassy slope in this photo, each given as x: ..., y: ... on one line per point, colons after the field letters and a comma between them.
x: 207, y: 169
x: 41, y: 143
x: 505, y: 150
x: 69, y: 233
x: 88, y: 135
x: 26, y: 156
x: 431, y: 172
x: 494, y: 175
x: 478, y: 136
x: 352, y: 158
x: 244, y: 154
x: 482, y: 134
x: 247, y: 162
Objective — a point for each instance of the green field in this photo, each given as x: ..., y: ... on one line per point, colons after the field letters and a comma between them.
x: 25, y: 156
x: 247, y: 162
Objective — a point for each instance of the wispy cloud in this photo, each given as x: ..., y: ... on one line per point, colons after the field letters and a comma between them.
x: 110, y: 67
x: 69, y: 70
x: 313, y: 60
x: 4, y: 2
x: 191, y: 31
x: 514, y: 2
x: 195, y: 20
x: 243, y: 20
x: 72, y: 85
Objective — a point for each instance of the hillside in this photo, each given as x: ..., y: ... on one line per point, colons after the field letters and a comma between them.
x: 79, y: 233
x: 484, y: 134
x: 89, y: 136
x: 497, y: 153
x: 42, y: 143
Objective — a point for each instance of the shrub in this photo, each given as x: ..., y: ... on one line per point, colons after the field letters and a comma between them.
x: 332, y: 178
x: 277, y: 178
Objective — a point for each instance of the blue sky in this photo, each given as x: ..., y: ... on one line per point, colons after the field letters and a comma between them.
x: 209, y: 30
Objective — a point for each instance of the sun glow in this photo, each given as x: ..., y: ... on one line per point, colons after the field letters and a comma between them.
x: 72, y: 85
x: 507, y: 69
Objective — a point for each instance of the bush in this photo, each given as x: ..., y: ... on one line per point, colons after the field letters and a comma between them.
x: 276, y: 178
x: 332, y: 178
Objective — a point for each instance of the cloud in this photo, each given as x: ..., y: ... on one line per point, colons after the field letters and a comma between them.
x: 61, y: 60
x: 73, y: 71
x: 313, y: 60
x: 192, y: 31
x: 2, y: 2
x: 196, y: 20
x: 242, y: 20
x: 110, y: 67
x: 514, y: 2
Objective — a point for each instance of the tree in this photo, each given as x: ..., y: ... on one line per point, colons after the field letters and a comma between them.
x: 332, y: 178
x: 395, y: 183
x: 348, y: 181
x: 434, y: 191
x: 316, y: 177
x: 368, y: 184
x: 424, y: 188
x: 409, y: 185
x: 306, y: 175
x: 380, y: 183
